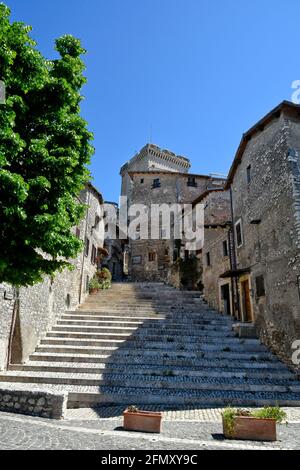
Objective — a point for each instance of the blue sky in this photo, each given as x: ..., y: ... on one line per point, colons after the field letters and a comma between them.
x: 193, y: 74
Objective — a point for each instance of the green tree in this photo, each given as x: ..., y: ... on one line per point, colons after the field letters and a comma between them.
x: 44, y: 152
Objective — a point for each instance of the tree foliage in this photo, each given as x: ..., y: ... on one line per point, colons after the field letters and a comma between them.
x: 44, y: 152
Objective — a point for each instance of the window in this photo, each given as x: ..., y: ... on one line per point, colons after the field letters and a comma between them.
x: 77, y: 232
x: 137, y: 235
x: 156, y: 183
x: 87, y: 246
x: 136, y: 260
x: 152, y: 256
x: 94, y: 255
x: 225, y: 248
x: 87, y: 281
x: 208, y: 259
x: 163, y: 233
x: 192, y: 181
x: 249, y: 174
x: 260, y: 286
x: 239, y: 233
x: 97, y: 221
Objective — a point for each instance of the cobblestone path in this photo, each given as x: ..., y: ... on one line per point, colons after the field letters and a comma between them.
x: 76, y: 433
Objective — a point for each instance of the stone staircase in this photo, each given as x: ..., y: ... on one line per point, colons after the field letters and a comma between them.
x: 149, y: 344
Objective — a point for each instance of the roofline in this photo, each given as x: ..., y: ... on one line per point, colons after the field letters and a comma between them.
x: 205, y: 194
x: 173, y: 173
x: 98, y: 194
x: 178, y: 159
x: 225, y: 224
x: 254, y: 130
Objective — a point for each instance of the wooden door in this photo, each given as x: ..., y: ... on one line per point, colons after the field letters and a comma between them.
x: 246, y: 301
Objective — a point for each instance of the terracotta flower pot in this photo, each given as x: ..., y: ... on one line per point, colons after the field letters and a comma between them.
x: 144, y: 421
x: 251, y: 429
x: 93, y: 291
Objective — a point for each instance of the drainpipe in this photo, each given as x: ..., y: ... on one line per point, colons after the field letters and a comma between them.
x: 234, y: 260
x: 12, y: 326
x: 83, y: 254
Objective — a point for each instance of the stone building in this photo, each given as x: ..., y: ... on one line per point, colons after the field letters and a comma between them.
x: 114, y: 244
x: 156, y: 177
x: 26, y: 314
x: 216, y: 250
x: 264, y: 182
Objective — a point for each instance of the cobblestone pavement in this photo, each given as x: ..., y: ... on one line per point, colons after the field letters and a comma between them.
x: 23, y: 432
x: 185, y: 413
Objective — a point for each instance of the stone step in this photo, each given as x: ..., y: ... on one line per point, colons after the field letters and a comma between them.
x: 84, y: 396
x: 233, y: 352
x: 190, y: 319
x: 260, y: 361
x: 137, y: 370
x: 151, y: 344
x: 100, y: 323
x: 148, y: 303
x: 123, y: 309
x: 111, y: 317
x: 147, y: 299
x: 159, y: 342
x: 144, y: 309
x: 195, y: 398
x: 154, y: 382
x: 141, y: 334
x: 140, y: 324
x: 78, y: 329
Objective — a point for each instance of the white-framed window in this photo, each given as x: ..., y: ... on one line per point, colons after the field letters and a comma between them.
x: 239, y: 233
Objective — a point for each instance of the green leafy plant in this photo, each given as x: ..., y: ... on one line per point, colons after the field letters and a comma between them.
x: 104, y: 278
x: 44, y: 152
x: 105, y: 285
x: 270, y: 412
x: 168, y: 373
x: 132, y: 409
x: 266, y: 413
x: 94, y: 284
x: 190, y: 272
x: 104, y: 274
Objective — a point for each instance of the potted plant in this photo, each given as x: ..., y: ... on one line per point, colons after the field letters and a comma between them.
x: 104, y: 278
x: 94, y: 286
x: 143, y: 421
x: 258, y: 425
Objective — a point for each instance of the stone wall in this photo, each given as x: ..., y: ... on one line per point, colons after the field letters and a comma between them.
x: 33, y: 403
x: 267, y: 208
x: 40, y: 306
x: 217, y: 214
